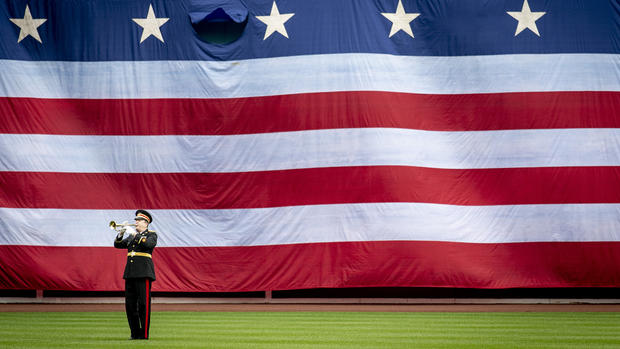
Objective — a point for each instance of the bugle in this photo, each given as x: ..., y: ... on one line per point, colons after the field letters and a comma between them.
x: 118, y: 227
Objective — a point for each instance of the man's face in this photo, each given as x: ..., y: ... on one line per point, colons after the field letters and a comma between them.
x: 141, y: 225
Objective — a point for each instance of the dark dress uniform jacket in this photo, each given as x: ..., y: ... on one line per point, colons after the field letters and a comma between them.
x: 139, y: 266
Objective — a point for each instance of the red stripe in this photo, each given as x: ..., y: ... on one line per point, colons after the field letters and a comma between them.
x: 298, y: 266
x: 532, y: 110
x: 148, y: 301
x: 310, y: 187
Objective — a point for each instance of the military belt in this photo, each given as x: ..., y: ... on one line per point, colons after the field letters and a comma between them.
x: 141, y: 254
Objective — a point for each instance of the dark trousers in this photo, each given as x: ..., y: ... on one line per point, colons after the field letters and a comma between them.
x: 138, y: 306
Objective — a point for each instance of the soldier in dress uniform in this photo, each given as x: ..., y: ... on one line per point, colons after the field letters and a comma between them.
x: 139, y: 273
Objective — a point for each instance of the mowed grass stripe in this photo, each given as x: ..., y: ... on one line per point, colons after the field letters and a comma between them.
x: 315, y: 330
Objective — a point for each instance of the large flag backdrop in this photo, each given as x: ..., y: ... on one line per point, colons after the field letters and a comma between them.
x: 435, y: 143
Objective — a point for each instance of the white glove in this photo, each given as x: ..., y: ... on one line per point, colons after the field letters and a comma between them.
x: 130, y: 230
x: 124, y: 228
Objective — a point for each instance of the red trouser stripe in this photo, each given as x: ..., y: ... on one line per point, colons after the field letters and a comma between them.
x: 146, y: 322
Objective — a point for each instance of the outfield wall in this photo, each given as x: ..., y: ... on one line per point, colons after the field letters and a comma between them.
x: 339, y: 296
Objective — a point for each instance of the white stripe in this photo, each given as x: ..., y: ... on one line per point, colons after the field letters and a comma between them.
x: 312, y: 73
x: 310, y: 149
x: 322, y: 223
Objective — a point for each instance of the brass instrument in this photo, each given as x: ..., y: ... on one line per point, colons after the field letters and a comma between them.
x: 118, y: 227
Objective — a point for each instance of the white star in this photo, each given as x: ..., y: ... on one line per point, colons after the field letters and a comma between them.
x: 28, y: 26
x: 527, y: 19
x: 150, y: 25
x: 275, y: 21
x: 400, y: 20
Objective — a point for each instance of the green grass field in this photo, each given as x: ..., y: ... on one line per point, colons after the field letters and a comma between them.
x: 314, y: 330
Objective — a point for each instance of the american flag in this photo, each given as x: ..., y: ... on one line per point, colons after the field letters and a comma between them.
x: 426, y: 143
